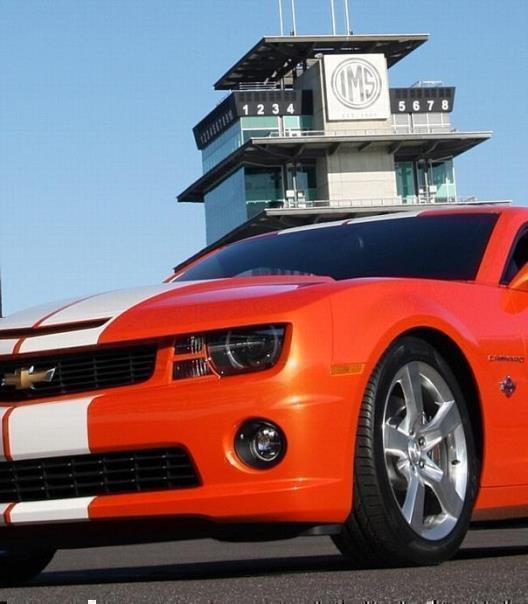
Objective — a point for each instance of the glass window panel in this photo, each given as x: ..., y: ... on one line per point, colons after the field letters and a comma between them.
x: 298, y: 122
x: 307, y: 122
x: 443, y: 177
x: 225, y: 206
x: 306, y: 181
x: 292, y: 121
x: 263, y: 184
x: 221, y: 147
x: 405, y: 185
x: 260, y: 122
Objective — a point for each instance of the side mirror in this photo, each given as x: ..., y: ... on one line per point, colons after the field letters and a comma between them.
x: 520, y: 281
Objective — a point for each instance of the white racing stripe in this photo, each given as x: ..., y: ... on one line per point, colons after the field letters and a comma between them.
x: 3, y: 411
x: 110, y: 304
x: 67, y: 339
x: 55, y: 510
x: 49, y: 429
x: 7, y: 346
x: 25, y: 319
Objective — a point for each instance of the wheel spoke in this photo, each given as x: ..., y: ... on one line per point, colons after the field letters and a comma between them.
x: 413, y: 506
x: 443, y: 489
x: 412, y: 390
x: 444, y: 423
x: 404, y: 468
x: 396, y: 442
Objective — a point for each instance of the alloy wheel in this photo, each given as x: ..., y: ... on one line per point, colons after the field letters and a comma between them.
x: 425, y: 450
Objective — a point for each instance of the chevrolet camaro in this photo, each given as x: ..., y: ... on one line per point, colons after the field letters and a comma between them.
x: 364, y: 379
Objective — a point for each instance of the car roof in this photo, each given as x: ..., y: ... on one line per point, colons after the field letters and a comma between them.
x: 481, y: 209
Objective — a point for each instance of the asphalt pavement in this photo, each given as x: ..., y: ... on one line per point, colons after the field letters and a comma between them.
x: 491, y: 567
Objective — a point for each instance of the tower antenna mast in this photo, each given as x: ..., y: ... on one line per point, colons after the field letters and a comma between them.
x: 332, y: 9
x: 347, y: 18
x: 294, y: 21
x: 281, y: 18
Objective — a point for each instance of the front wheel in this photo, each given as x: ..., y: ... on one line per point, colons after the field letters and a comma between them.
x: 17, y: 567
x: 415, y: 470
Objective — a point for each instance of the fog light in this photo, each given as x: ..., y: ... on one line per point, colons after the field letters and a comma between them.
x: 260, y: 444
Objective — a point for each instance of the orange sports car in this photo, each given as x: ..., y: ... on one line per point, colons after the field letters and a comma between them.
x: 363, y: 379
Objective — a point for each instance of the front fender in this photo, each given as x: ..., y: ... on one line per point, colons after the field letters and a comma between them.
x: 370, y: 314
x: 370, y: 317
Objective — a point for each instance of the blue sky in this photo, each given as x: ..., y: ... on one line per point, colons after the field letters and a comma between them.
x: 98, y: 99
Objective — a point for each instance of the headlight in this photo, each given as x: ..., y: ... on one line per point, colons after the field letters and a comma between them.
x: 245, y: 349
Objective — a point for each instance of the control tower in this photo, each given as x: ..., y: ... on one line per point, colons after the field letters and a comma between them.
x: 311, y: 131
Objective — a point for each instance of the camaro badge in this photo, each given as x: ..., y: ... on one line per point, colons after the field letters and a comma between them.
x: 25, y: 379
x: 505, y: 358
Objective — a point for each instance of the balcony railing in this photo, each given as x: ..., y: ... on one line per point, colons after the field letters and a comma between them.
x: 392, y: 130
x: 262, y: 86
x: 412, y: 200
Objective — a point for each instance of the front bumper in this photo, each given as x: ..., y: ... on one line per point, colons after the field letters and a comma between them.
x: 311, y: 484
x: 316, y: 409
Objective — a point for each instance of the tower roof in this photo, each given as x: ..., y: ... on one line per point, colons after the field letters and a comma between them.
x: 274, y: 57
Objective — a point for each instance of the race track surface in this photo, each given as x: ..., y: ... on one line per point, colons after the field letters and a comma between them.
x: 491, y: 567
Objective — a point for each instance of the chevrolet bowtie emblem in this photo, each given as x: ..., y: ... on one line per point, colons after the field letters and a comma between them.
x: 25, y: 379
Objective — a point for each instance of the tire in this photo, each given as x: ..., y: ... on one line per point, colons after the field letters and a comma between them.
x: 415, y: 467
x: 17, y: 567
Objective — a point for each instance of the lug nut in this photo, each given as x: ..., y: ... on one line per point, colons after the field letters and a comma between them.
x: 421, y: 463
x: 421, y: 441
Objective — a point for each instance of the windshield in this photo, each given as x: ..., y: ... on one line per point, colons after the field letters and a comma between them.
x: 448, y: 246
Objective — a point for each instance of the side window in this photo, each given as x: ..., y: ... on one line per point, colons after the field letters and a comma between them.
x: 518, y: 257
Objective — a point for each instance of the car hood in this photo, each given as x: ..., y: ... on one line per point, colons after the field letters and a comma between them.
x: 155, y: 311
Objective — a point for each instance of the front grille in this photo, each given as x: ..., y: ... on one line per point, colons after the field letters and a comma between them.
x: 92, y: 475
x: 82, y: 371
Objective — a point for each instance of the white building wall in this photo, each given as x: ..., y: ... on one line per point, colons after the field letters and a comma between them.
x: 312, y: 80
x: 354, y: 174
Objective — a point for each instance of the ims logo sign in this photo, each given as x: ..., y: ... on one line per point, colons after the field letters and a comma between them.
x: 356, y: 83
x: 356, y: 87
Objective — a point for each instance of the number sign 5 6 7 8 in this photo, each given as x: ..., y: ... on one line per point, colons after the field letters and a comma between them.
x: 423, y: 105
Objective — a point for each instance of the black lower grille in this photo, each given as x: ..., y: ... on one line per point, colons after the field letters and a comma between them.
x: 92, y: 475
x: 81, y: 371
